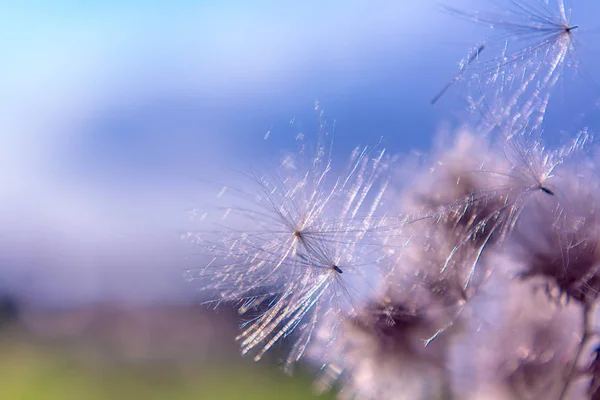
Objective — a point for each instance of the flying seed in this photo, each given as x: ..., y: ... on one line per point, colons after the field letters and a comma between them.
x: 547, y: 191
x: 456, y: 77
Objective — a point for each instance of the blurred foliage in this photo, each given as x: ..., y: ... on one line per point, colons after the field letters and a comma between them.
x: 32, y: 369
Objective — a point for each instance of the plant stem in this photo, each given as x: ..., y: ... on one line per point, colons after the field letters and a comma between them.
x: 587, y: 334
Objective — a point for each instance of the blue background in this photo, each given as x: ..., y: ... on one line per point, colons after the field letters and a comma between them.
x: 111, y: 112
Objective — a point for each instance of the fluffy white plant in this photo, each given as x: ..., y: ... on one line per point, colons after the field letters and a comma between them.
x: 472, y: 273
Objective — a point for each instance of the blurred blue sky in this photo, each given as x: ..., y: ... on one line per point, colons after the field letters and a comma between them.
x: 112, y: 109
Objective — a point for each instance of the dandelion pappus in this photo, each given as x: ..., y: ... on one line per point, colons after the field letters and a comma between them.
x: 522, y: 64
x: 291, y: 252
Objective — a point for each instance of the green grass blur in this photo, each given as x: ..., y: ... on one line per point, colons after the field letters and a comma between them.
x: 33, y: 369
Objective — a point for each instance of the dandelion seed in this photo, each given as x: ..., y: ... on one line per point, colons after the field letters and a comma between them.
x: 299, y: 247
x: 463, y: 67
x: 531, y: 166
x: 481, y: 208
x: 547, y: 191
x: 498, y: 203
x: 535, y: 44
x: 321, y: 290
x: 540, y: 30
